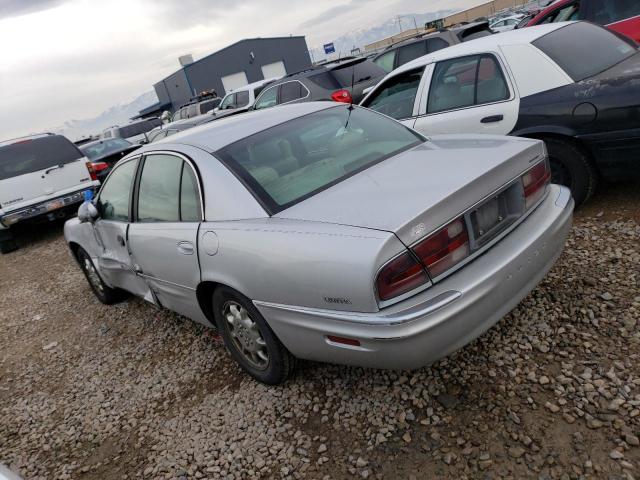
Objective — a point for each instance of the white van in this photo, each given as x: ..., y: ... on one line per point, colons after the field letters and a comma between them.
x: 42, y: 177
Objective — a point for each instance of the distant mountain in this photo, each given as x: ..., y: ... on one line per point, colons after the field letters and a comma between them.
x: 117, y: 115
x: 359, y: 38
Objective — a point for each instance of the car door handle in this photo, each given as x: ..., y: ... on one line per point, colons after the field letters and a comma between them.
x: 185, y: 248
x: 120, y: 240
x: 492, y: 119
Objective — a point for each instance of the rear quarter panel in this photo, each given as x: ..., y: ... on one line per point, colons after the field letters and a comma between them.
x: 296, y: 262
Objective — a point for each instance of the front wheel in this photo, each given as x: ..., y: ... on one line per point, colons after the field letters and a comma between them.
x: 105, y: 293
x: 249, y: 339
x: 572, y: 167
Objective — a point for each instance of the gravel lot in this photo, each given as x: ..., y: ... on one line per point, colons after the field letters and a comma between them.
x: 553, y: 391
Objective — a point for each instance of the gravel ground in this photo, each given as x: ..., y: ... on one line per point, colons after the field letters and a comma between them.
x: 552, y: 391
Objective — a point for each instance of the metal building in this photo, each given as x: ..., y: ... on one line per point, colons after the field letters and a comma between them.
x: 244, y: 62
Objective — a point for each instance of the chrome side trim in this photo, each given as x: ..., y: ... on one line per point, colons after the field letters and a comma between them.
x: 156, y: 279
x: 398, y: 318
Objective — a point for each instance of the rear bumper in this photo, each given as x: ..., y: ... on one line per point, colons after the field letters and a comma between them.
x: 442, y: 319
x: 37, y: 210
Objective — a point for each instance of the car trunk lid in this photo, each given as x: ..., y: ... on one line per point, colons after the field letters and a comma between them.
x: 418, y: 191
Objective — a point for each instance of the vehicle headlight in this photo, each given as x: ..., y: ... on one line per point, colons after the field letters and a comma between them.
x: 12, y: 218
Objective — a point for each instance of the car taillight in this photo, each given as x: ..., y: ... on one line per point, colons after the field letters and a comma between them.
x: 343, y: 96
x: 94, y: 168
x: 401, y: 275
x: 445, y: 248
x: 535, y: 183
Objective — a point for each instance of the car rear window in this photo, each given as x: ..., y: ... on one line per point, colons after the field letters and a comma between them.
x: 288, y: 163
x: 361, y: 71
x: 325, y: 80
x: 105, y: 147
x: 584, y: 50
x: 33, y: 155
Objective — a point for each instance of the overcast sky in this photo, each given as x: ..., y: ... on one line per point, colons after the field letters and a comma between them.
x: 73, y: 59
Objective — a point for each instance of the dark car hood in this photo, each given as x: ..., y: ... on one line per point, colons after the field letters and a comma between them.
x: 115, y: 156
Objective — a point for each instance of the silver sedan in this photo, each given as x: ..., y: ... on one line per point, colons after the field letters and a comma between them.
x: 327, y: 232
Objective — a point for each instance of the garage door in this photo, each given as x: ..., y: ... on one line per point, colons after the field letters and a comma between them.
x: 235, y: 80
x: 274, y: 70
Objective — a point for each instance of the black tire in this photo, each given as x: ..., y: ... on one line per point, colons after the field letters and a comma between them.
x: 102, y: 291
x: 279, y: 364
x: 572, y: 167
x: 8, y: 245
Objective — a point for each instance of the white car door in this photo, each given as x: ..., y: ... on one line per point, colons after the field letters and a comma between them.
x: 471, y: 94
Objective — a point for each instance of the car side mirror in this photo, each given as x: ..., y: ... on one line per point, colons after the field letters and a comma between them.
x: 88, y: 212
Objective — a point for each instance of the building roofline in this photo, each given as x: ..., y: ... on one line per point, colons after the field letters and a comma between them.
x: 226, y: 48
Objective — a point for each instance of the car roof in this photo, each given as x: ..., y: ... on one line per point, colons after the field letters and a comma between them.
x: 479, y: 45
x: 249, y: 86
x: 218, y: 134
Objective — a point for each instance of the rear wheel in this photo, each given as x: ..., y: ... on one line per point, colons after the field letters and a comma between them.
x: 249, y: 339
x: 105, y: 294
x: 572, y: 167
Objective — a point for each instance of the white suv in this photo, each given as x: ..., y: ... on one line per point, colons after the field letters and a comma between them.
x: 42, y: 177
x: 243, y: 97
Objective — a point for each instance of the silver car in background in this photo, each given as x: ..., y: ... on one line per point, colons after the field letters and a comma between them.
x: 326, y: 232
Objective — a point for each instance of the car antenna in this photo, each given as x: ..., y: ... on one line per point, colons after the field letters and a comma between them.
x: 350, y: 107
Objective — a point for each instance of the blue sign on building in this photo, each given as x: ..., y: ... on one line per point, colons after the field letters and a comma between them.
x: 329, y: 48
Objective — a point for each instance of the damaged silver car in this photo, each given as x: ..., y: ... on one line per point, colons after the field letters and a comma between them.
x: 326, y: 232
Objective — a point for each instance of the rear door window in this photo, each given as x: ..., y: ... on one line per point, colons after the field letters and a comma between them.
x: 386, y: 61
x: 605, y: 12
x: 435, y: 44
x: 465, y: 82
x: 242, y: 99
x: 410, y: 52
x: 584, y: 50
x: 291, y: 91
x: 34, y: 155
x: 396, y: 96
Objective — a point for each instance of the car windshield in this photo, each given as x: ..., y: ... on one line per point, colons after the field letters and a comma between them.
x: 584, y: 50
x: 36, y: 154
x: 104, y: 147
x: 290, y: 162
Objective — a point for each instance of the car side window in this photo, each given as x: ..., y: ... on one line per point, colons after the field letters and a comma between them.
x: 159, y: 190
x: 242, y: 98
x: 228, y: 102
x: 268, y: 98
x: 410, y: 52
x: 605, y: 12
x: 435, y: 44
x: 189, y: 198
x: 465, y: 82
x: 291, y: 91
x: 115, y: 196
x: 397, y: 95
x: 386, y: 61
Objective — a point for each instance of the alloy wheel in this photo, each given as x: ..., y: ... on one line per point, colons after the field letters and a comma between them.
x: 246, y: 335
x: 93, y: 276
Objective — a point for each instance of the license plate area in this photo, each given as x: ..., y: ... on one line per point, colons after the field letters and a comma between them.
x: 494, y: 215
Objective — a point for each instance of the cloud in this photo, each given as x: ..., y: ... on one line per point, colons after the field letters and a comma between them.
x: 16, y: 8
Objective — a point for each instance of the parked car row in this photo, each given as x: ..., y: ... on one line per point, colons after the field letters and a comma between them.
x: 575, y: 86
x: 358, y: 229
